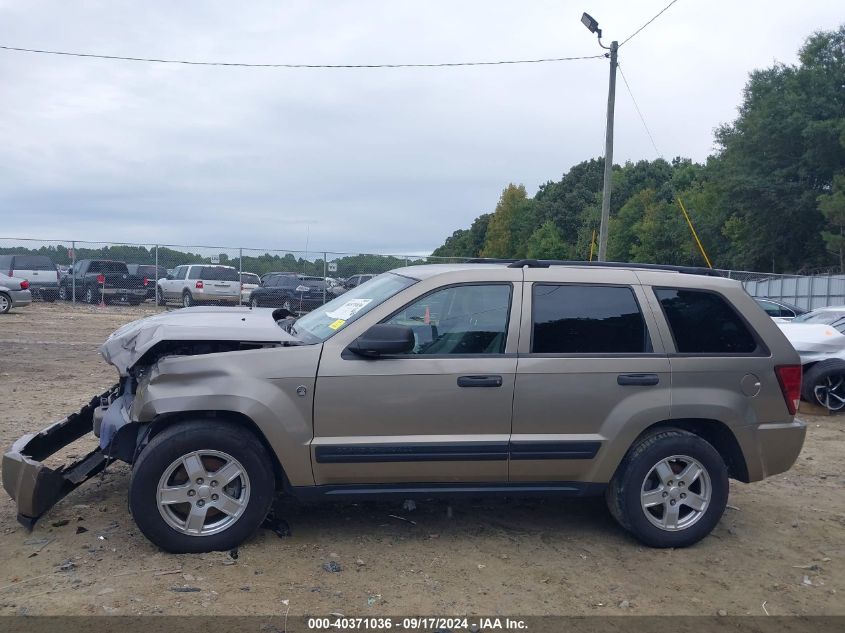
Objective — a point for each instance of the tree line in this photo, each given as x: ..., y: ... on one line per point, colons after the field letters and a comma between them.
x: 771, y: 198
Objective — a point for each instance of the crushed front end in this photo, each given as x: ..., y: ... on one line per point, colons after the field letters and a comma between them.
x: 36, y: 487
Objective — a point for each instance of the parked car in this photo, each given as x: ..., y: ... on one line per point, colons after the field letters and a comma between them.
x: 357, y: 280
x: 295, y: 293
x: 779, y: 309
x: 249, y: 282
x: 150, y: 273
x: 38, y: 270
x: 650, y: 385
x: 193, y: 284
x: 819, y: 338
x: 96, y: 280
x: 14, y: 293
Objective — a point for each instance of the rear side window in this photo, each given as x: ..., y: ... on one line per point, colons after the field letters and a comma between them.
x: 704, y: 323
x: 575, y: 319
x: 33, y: 262
x: 220, y: 273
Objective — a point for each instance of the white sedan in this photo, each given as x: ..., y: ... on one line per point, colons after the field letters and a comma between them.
x: 818, y: 338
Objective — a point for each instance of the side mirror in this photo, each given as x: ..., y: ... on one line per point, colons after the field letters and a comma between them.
x: 383, y: 339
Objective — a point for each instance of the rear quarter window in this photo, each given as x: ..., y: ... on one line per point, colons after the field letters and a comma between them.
x: 703, y: 322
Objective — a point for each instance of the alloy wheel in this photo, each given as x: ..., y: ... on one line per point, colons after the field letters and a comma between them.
x: 676, y: 493
x: 831, y: 392
x: 202, y: 493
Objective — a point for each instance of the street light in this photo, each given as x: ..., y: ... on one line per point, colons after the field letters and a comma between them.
x: 593, y: 26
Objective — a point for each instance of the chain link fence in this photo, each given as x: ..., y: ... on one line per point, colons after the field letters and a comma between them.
x: 176, y: 275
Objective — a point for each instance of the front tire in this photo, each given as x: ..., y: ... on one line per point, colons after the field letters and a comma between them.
x: 254, y: 302
x: 201, y: 486
x: 160, y: 300
x: 670, y: 489
x: 90, y: 296
x: 63, y: 294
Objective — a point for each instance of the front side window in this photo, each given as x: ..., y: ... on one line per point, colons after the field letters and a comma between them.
x: 576, y: 319
x: 704, y: 323
x: 467, y: 319
x: 320, y: 324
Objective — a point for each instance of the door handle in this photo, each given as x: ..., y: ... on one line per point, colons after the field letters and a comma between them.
x: 479, y: 381
x: 644, y: 380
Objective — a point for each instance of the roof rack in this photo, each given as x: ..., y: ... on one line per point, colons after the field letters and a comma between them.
x: 546, y: 263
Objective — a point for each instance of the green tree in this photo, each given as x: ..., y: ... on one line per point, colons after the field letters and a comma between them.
x: 546, y: 243
x: 507, y: 227
x: 832, y: 207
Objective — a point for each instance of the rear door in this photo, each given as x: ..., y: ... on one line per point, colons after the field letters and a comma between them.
x: 591, y: 368
x: 220, y: 281
x: 172, y: 288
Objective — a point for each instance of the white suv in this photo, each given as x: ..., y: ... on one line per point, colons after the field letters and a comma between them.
x: 192, y: 284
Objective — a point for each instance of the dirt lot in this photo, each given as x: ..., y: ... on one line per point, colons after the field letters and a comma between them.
x: 781, y: 542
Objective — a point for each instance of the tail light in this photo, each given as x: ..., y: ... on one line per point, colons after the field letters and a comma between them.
x: 24, y: 284
x: 101, y: 279
x: 789, y: 377
x: 198, y: 285
x: 146, y: 281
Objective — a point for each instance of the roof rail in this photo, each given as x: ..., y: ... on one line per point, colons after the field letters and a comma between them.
x: 546, y: 263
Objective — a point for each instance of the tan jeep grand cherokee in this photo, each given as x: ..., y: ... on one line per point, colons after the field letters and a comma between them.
x: 651, y: 385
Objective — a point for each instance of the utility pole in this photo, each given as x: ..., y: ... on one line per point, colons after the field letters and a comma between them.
x: 593, y: 26
x: 608, y: 155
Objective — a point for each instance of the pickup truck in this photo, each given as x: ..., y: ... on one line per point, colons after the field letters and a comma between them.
x: 96, y: 280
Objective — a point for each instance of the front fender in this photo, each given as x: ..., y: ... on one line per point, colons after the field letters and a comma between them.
x: 281, y: 407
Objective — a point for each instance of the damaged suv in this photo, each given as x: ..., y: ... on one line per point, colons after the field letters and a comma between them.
x: 651, y: 385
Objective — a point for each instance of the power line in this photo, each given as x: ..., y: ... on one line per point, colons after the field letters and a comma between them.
x: 649, y: 22
x: 639, y: 112
x: 154, y: 60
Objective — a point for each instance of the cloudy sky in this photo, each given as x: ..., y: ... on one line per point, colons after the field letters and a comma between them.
x: 381, y: 160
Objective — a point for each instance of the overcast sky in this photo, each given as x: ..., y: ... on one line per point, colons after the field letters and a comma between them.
x: 382, y: 160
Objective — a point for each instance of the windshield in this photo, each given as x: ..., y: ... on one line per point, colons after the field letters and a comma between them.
x: 329, y: 319
x: 823, y: 317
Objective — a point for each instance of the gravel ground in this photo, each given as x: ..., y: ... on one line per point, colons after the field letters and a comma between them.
x: 779, y: 548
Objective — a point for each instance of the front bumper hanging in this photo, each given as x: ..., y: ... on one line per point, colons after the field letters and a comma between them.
x: 36, y: 487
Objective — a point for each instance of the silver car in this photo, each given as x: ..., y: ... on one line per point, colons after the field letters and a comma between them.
x: 14, y: 293
x: 194, y: 284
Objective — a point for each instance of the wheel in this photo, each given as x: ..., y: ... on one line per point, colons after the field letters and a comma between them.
x: 187, y: 299
x: 287, y: 305
x: 90, y: 296
x: 670, y: 489
x: 254, y: 302
x: 5, y: 303
x: 201, y: 486
x: 47, y: 297
x: 824, y: 384
x: 63, y: 293
x: 160, y: 300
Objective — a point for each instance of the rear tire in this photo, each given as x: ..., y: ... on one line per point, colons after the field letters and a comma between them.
x: 160, y: 300
x: 90, y: 296
x: 5, y: 303
x: 209, y: 446
x: 824, y: 384
x: 254, y: 302
x: 649, y: 479
x: 187, y: 299
x: 63, y: 294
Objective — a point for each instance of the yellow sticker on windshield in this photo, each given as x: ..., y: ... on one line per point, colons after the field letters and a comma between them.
x: 336, y: 325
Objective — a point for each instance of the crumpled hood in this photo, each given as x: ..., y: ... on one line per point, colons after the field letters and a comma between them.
x: 129, y: 343
x: 814, y: 340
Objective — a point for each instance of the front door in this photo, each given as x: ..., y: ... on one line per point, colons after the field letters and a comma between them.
x: 592, y: 371
x: 440, y: 414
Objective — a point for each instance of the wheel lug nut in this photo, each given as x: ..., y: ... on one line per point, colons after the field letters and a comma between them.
x: 680, y: 483
x: 683, y: 495
x: 213, y: 483
x: 669, y: 483
x: 214, y: 497
x: 201, y: 503
x: 199, y: 480
x: 191, y: 493
x: 671, y: 503
x: 665, y: 494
